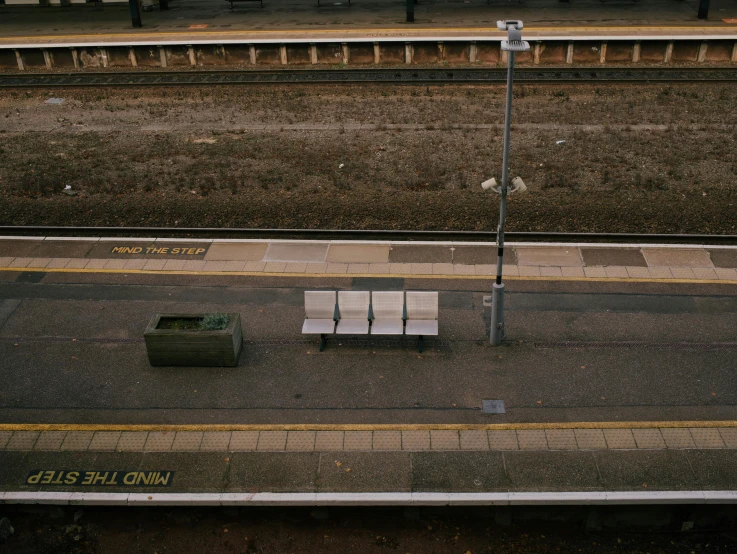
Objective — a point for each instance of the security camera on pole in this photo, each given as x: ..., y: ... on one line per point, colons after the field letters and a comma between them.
x: 514, y: 43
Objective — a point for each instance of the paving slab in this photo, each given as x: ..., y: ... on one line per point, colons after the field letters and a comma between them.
x: 707, y: 438
x: 548, y: 256
x: 132, y: 441
x: 721, y: 257
x: 677, y: 257
x: 17, y: 248
x: 15, y: 468
x: 50, y: 440
x: 359, y: 253
x: 613, y: 256
x: 243, y: 441
x: 265, y: 471
x: 561, y: 439
x: 648, y: 438
x: 236, y: 251
x: 61, y: 249
x: 459, y: 472
x: 551, y: 470
x: 104, y: 440
x: 193, y: 471
x: 365, y: 472
x: 480, y: 255
x: 415, y: 440
x: 329, y: 440
x: 301, y: 441
x: 357, y: 440
x: 444, y: 440
x: 677, y: 438
x: 714, y: 469
x: 159, y: 441
x: 22, y: 440
x: 474, y: 440
x: 645, y: 470
x: 297, y: 252
x: 503, y: 440
x: 218, y: 441
x: 590, y: 439
x: 620, y: 438
x: 387, y: 440
x: 729, y: 436
x: 415, y: 254
x: 272, y: 440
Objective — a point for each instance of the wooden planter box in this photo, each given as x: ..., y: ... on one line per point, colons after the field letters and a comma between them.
x: 193, y: 347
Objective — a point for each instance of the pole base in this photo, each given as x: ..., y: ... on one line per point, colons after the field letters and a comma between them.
x: 497, y: 314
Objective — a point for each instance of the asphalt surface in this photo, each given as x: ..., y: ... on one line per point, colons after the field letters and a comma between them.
x: 72, y: 351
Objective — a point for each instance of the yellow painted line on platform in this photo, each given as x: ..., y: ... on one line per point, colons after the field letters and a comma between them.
x: 369, y: 427
x: 404, y: 31
x: 371, y: 275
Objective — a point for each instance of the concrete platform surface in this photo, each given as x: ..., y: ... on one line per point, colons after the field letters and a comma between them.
x: 614, y: 389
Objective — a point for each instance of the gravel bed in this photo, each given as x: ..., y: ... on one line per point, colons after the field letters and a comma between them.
x: 608, y: 158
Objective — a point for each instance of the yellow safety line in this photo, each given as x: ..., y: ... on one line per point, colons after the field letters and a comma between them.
x: 403, y: 31
x: 369, y: 427
x: 373, y: 275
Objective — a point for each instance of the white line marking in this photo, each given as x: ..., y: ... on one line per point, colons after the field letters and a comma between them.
x: 373, y: 499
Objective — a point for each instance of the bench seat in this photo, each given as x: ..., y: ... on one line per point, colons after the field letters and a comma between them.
x: 387, y: 327
x: 318, y: 327
x: 422, y: 327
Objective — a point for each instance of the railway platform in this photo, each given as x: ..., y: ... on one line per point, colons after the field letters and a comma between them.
x: 616, y: 377
x: 193, y: 33
x: 335, y: 259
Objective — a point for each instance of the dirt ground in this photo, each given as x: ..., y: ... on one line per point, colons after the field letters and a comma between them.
x: 304, y: 531
x: 635, y: 158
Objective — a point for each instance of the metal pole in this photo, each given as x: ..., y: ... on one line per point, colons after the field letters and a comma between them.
x: 703, y: 9
x: 135, y: 13
x: 497, y: 293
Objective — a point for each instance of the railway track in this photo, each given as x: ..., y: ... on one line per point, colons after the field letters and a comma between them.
x: 368, y: 235
x: 353, y: 76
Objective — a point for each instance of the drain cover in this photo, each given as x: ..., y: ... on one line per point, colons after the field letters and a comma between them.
x: 54, y: 101
x: 493, y: 406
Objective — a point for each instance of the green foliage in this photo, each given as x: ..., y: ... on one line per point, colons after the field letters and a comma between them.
x: 214, y: 322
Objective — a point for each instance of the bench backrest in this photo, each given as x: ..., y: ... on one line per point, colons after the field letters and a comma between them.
x: 320, y: 304
x: 422, y: 305
x: 354, y: 304
x: 387, y: 304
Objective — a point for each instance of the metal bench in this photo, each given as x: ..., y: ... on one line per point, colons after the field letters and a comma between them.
x: 414, y: 313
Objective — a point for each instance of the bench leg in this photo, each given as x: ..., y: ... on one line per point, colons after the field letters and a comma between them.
x: 419, y: 344
x: 323, y: 340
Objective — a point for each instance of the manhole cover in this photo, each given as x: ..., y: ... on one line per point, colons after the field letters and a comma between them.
x: 493, y: 406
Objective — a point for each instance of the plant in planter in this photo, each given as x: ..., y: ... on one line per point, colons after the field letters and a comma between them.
x: 194, y: 339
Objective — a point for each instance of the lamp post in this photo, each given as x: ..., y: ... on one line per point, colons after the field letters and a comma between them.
x: 513, y: 44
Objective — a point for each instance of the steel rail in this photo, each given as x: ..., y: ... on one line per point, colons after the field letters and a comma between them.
x: 359, y: 234
x: 409, y: 75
